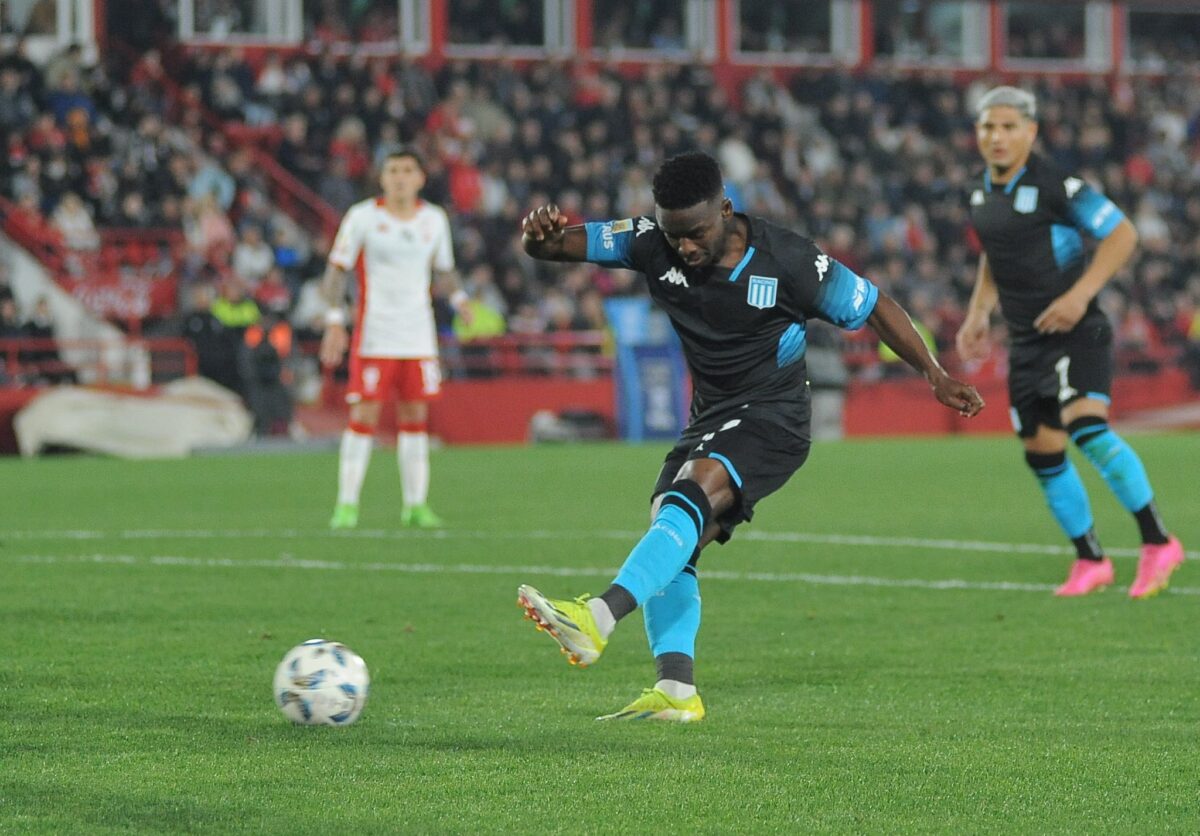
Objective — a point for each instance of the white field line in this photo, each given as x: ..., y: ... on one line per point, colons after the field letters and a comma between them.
x: 528, y: 571
x: 867, y: 541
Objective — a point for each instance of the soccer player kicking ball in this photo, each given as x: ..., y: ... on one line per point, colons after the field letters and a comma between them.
x: 739, y: 291
x: 1029, y: 217
x: 394, y: 242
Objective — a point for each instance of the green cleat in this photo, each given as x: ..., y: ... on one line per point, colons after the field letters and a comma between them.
x: 653, y: 704
x: 420, y: 516
x: 345, y: 515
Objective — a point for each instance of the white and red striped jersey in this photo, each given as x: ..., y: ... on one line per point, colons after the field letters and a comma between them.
x: 394, y: 260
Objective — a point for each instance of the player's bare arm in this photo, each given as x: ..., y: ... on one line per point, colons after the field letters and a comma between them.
x: 546, y: 236
x: 972, y: 337
x: 334, y: 340
x: 1114, y: 251
x: 895, y: 328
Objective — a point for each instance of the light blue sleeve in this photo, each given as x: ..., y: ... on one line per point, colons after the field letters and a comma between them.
x: 1093, y: 213
x: 846, y: 298
x: 610, y: 243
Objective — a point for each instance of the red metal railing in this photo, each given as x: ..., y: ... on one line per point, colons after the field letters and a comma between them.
x: 572, y: 354
x: 297, y: 200
x: 33, y: 232
x: 29, y: 361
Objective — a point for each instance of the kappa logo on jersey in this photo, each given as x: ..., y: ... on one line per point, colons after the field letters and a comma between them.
x: 1072, y: 185
x: 644, y: 225
x: 674, y: 276
x: 822, y: 265
x: 977, y: 197
x: 762, y: 290
x: 1026, y: 200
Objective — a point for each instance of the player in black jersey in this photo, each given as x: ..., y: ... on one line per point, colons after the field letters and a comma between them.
x: 739, y: 291
x: 1030, y: 217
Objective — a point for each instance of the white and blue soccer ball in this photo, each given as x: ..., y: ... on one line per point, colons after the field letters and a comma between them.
x: 321, y: 683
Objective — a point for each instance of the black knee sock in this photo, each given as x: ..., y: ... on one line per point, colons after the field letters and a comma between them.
x: 676, y: 666
x: 1151, y: 525
x: 1087, y: 546
x: 619, y: 600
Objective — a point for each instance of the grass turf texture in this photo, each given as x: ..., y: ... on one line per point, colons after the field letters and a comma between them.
x: 136, y: 691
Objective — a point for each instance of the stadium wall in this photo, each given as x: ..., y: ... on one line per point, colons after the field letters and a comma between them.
x: 500, y: 411
x: 905, y: 407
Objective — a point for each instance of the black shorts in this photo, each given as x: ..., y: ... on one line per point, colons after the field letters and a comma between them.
x: 1047, y: 373
x: 760, y: 456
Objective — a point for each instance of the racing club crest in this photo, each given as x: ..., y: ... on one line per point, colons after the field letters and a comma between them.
x: 761, y: 292
x: 1026, y: 199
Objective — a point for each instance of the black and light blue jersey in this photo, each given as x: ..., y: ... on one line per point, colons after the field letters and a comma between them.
x: 1032, y: 230
x: 743, y: 328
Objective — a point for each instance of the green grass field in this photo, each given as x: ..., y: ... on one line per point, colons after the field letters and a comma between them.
x: 880, y: 651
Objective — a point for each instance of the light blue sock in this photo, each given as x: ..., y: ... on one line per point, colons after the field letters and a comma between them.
x: 673, y: 616
x: 1117, y: 462
x: 1067, y: 498
x: 661, y: 553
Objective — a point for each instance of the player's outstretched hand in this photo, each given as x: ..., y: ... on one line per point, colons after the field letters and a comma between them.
x: 957, y: 395
x: 333, y: 345
x: 545, y: 223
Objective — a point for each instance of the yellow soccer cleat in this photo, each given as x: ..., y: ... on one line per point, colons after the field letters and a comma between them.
x: 570, y: 623
x: 654, y: 704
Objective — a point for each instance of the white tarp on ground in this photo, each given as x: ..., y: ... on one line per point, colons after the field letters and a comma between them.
x: 181, y: 417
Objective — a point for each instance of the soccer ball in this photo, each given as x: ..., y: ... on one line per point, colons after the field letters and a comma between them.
x: 320, y: 683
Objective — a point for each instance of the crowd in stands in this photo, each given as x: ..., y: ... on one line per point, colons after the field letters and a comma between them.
x: 875, y: 166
